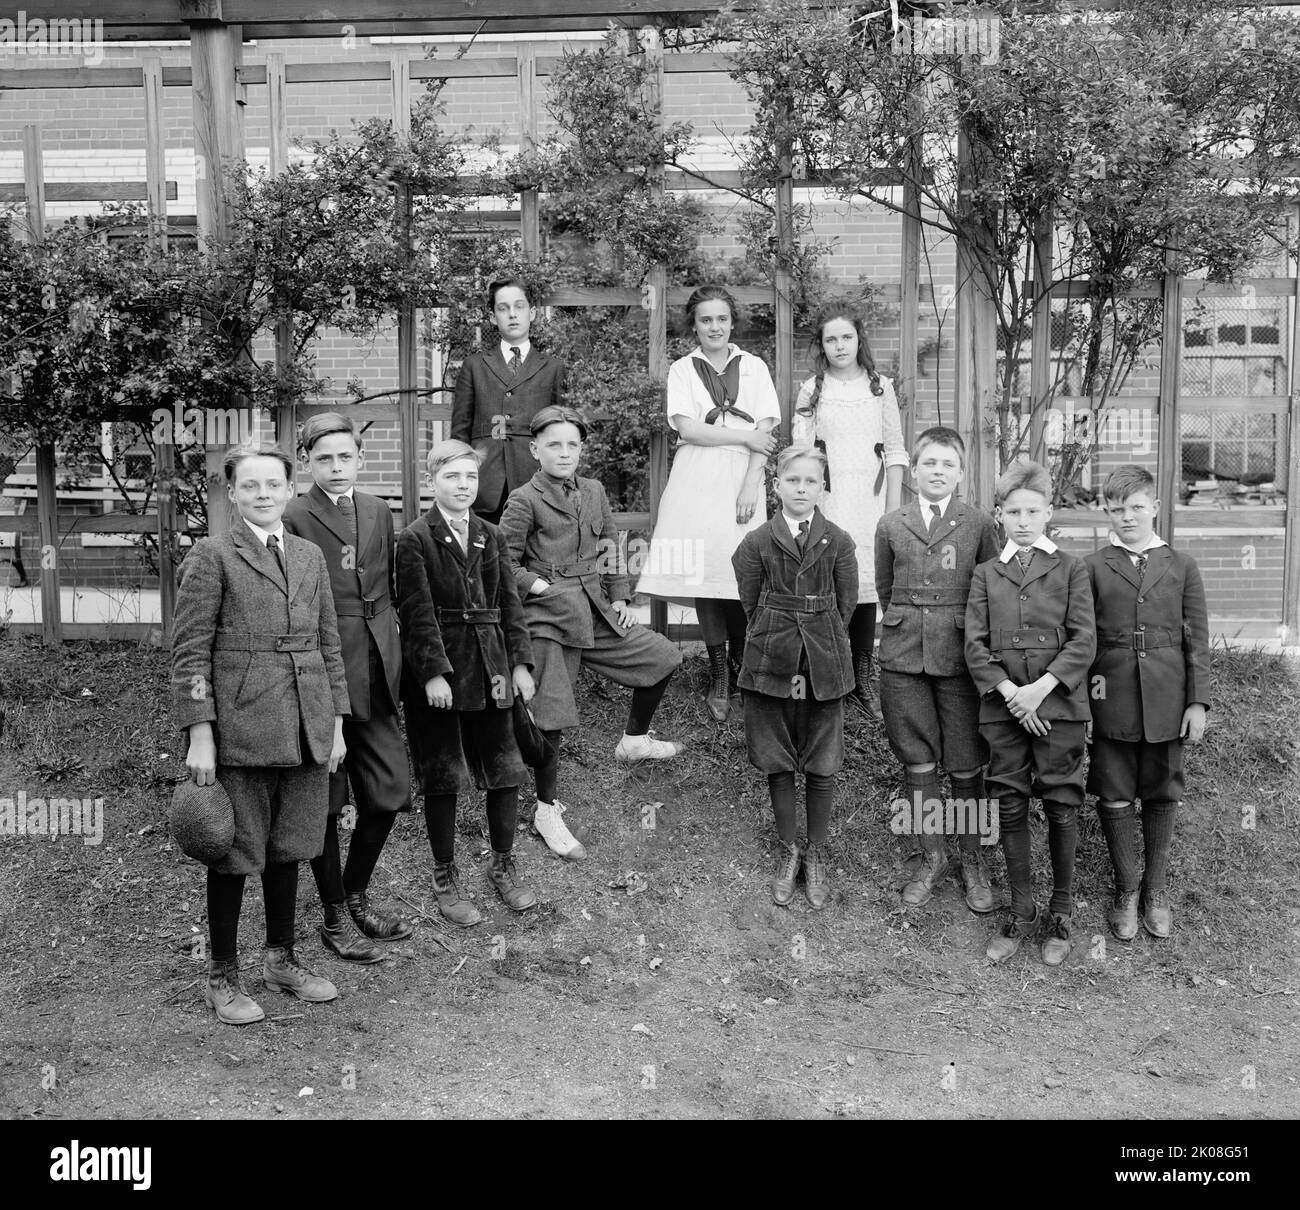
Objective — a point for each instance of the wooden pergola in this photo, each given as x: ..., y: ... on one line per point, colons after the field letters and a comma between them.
x: 216, y: 31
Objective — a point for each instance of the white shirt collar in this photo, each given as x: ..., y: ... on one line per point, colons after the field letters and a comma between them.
x: 794, y: 525
x: 446, y: 516
x: 262, y: 534
x: 1042, y: 542
x: 1151, y: 543
x: 926, y: 515
x: 334, y: 500
x: 524, y: 347
x: 733, y: 351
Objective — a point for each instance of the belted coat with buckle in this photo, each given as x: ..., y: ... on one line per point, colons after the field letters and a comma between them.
x: 361, y: 581
x: 923, y: 582
x: 1153, y: 643
x: 782, y: 635
x: 569, y: 539
x: 442, y: 593
x: 1020, y: 625
x: 254, y: 656
x: 492, y: 411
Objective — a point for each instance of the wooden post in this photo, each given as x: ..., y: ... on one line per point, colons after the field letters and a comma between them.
x: 286, y: 413
x: 1040, y: 365
x: 910, y: 296
x: 784, y: 278
x: 155, y: 167
x: 408, y: 401
x: 47, y: 502
x: 1289, y: 632
x: 530, y: 223
x: 657, y: 314
x: 1169, y: 462
x: 217, y: 146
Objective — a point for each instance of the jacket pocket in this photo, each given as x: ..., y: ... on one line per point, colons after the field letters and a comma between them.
x: 892, y: 618
x: 959, y: 621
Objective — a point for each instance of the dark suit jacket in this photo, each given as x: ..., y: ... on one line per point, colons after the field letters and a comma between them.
x: 542, y: 525
x: 923, y: 581
x: 769, y: 559
x: 477, y: 658
x: 485, y: 391
x: 1142, y: 694
x: 1052, y: 610
x: 357, y: 576
x: 260, y: 702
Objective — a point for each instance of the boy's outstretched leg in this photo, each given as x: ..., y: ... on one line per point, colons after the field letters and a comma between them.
x: 636, y: 743
x: 547, y: 819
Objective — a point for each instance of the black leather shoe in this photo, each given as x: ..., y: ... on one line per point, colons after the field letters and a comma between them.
x: 342, y: 936
x: 377, y: 924
x: 1006, y: 941
x: 783, y: 879
x: 816, y: 883
x: 503, y: 875
x: 1123, y: 915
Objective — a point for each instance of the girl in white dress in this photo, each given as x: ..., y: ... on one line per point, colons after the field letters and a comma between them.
x: 723, y: 405
x: 851, y: 410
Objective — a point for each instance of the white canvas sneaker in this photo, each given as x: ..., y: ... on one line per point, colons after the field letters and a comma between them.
x: 548, y: 824
x: 642, y: 747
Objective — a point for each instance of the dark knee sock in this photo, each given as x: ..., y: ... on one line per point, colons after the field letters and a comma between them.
x: 1119, y: 826
x: 367, y: 843
x: 502, y: 814
x: 644, y: 703
x: 1062, y: 840
x: 1013, y: 820
x: 972, y: 788
x: 781, y: 788
x: 548, y: 775
x: 1158, y: 838
x: 819, y: 791
x: 440, y: 821
x: 712, y: 617
x: 327, y: 868
x: 225, y: 898
x: 862, y: 629
x: 280, y: 894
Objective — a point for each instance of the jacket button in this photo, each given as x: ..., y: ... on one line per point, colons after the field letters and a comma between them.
x: 509, y: 394
x: 1142, y: 655
x: 1015, y: 638
x: 1142, y: 600
x: 1041, y: 639
x: 1024, y: 596
x: 1142, y: 625
x: 467, y: 617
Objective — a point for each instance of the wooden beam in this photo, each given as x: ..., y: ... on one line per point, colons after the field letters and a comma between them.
x: 1169, y: 461
x: 909, y: 286
x: 784, y: 277
x: 1040, y: 365
x: 47, y: 504
x: 530, y: 225
x: 1290, y: 629
x: 407, y: 367
x: 90, y: 191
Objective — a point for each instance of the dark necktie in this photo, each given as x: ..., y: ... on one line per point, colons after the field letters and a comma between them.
x: 516, y: 360
x: 1025, y: 556
x: 802, y: 539
x: 460, y: 527
x: 936, y: 515
x: 570, y: 486
x: 348, y: 511
x: 1142, y: 567
x: 273, y: 545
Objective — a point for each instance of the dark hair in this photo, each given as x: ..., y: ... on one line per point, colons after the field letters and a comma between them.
x: 1023, y: 476
x: 704, y: 294
x: 939, y: 434
x: 1126, y: 481
x: 326, y: 424
x: 252, y: 449
x: 848, y: 310
x: 500, y: 284
x: 556, y: 414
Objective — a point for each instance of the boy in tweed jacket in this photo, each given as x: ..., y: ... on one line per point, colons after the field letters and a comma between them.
x: 926, y: 554
x: 1150, y: 694
x: 1030, y: 638
x: 564, y: 550
x: 798, y: 580
x: 258, y: 683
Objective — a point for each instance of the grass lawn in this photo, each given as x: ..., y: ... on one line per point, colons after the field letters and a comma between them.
x: 656, y: 979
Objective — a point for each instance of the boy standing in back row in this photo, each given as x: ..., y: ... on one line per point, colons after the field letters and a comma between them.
x: 1150, y: 694
x: 500, y: 388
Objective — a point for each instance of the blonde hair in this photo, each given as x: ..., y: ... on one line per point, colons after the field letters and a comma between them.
x: 450, y: 451
x: 792, y: 453
x: 1023, y: 476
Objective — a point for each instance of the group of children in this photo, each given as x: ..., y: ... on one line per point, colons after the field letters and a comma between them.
x: 299, y: 630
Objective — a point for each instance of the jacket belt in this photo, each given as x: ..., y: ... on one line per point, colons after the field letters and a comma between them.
x: 580, y: 567
x: 237, y: 640
x: 1028, y: 639
x: 928, y: 596
x: 1139, y: 640
x: 448, y: 615
x: 792, y: 604
x: 369, y: 609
